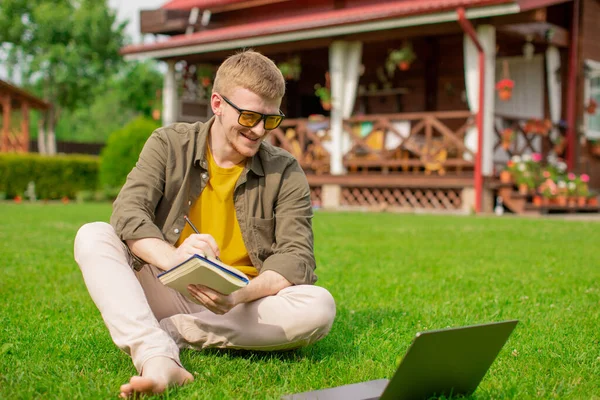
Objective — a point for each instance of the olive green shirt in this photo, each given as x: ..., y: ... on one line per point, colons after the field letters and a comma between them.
x: 271, y: 199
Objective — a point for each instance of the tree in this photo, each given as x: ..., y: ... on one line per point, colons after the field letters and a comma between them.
x: 64, y: 49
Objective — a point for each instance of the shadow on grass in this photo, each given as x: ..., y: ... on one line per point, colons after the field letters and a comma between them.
x: 353, y: 335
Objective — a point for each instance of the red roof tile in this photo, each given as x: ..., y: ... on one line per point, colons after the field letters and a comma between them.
x: 346, y: 16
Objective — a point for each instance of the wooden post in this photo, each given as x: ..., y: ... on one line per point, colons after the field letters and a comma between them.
x: 5, y: 122
x: 170, y: 109
x: 24, y: 127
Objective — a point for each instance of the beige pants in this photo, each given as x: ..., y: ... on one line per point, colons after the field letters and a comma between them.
x: 132, y: 304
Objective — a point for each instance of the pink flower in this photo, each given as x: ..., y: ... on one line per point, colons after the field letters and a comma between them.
x: 536, y: 157
x: 585, y: 178
x: 571, y: 176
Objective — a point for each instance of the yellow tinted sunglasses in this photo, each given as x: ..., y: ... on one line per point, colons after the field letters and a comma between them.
x: 250, y: 119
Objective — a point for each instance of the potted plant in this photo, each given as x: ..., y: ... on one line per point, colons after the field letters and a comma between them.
x: 560, y: 143
x: 593, y: 200
x: 538, y: 126
x: 594, y: 146
x: 508, y: 135
x: 291, y: 68
x: 562, y: 192
x: 400, y: 58
x: 324, y: 94
x: 582, y: 189
x: 591, y: 106
x: 205, y: 74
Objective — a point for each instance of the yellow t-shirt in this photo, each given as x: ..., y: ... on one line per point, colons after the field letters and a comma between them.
x: 214, y: 213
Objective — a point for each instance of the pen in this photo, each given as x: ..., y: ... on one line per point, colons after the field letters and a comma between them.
x: 195, y: 230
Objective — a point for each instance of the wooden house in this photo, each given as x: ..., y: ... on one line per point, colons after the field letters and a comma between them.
x: 401, y: 104
x: 15, y: 104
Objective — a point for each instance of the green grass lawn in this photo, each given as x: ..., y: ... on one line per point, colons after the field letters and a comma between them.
x: 391, y: 275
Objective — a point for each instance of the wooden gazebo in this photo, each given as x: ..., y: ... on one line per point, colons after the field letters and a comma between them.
x: 15, y: 104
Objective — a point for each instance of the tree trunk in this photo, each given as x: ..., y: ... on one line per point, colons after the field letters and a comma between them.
x: 51, y: 141
x: 41, y: 139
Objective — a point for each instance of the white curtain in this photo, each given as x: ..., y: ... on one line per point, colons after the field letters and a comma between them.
x: 487, y: 37
x: 554, y: 86
x: 344, y: 71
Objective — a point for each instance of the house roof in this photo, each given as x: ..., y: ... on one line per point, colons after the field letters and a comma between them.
x: 371, y: 17
x: 201, y: 4
x: 21, y: 96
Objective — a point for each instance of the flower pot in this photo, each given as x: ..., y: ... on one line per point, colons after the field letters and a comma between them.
x: 326, y: 105
x: 561, y: 201
x: 505, y: 94
x: 581, y: 201
x: 404, y: 65
x: 505, y: 177
x: 537, y: 201
x: 572, y: 202
x: 546, y: 201
x: 205, y: 81
x: 592, y: 202
x: 523, y: 189
x: 595, y: 149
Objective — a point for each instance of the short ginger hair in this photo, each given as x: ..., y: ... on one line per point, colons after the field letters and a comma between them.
x: 250, y: 70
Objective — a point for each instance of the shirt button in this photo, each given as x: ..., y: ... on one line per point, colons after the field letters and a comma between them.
x: 204, y: 175
x: 176, y: 230
x: 189, y: 203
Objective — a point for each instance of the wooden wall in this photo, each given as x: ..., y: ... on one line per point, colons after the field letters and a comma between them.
x: 590, y: 29
x: 589, y: 49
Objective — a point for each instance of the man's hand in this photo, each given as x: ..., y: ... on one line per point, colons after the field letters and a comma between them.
x: 212, y: 300
x: 197, y: 243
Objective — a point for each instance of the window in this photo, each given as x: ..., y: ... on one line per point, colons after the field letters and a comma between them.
x: 592, y: 92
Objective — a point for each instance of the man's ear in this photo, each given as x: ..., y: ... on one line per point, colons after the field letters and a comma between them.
x: 216, y: 103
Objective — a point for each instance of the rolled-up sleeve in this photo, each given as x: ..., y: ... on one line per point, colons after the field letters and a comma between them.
x: 293, y: 250
x: 135, y: 206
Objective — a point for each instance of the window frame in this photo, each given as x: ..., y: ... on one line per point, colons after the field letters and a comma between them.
x: 592, y: 69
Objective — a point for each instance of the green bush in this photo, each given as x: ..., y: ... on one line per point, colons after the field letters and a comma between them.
x: 122, y: 151
x: 54, y: 177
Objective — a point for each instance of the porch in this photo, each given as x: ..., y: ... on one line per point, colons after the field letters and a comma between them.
x: 406, y: 116
x: 401, y: 161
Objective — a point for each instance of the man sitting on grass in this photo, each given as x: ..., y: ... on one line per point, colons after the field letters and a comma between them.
x: 251, y: 204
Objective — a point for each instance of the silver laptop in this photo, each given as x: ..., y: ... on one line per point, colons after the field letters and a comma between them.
x: 443, y: 362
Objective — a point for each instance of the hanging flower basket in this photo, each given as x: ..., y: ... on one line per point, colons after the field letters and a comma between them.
x: 291, y: 68
x: 400, y: 58
x: 324, y: 94
x: 506, y: 85
x: 505, y: 88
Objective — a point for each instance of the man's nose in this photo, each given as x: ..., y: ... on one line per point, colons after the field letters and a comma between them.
x: 259, y: 129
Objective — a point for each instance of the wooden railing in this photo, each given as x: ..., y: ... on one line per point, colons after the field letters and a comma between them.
x: 427, y: 142
x: 304, y: 139
x: 516, y: 136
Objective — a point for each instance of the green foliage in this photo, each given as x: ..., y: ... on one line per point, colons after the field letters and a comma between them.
x: 54, y: 177
x: 95, y: 123
x: 138, y: 87
x: 123, y: 149
x: 64, y: 49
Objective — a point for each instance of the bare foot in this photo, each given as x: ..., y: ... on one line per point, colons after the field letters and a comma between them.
x: 158, y: 374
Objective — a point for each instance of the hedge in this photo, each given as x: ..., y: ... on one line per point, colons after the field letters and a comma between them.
x: 54, y: 176
x: 123, y: 150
